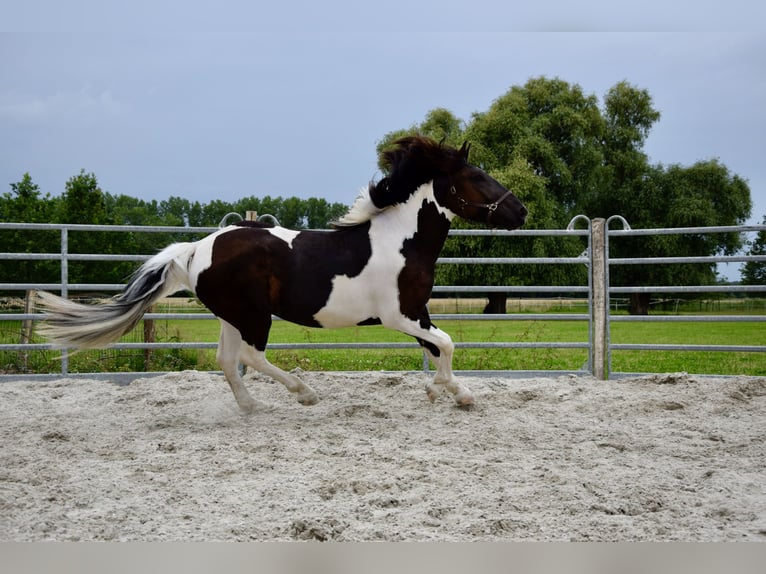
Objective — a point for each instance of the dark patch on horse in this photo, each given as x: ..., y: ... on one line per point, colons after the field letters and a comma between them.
x: 416, y: 279
x: 255, y: 274
x: 318, y: 257
x: 245, y: 276
x: 430, y: 346
x: 370, y: 321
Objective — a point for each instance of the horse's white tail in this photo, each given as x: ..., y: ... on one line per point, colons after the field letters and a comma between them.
x: 71, y: 324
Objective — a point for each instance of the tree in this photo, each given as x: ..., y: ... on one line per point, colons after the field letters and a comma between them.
x: 175, y: 211
x: 754, y: 272
x: 84, y: 202
x: 629, y: 115
x: 213, y: 212
x: 565, y: 155
x: 26, y: 204
x: 704, y: 194
x: 320, y: 213
x: 127, y: 210
x: 554, y: 127
x: 541, y: 141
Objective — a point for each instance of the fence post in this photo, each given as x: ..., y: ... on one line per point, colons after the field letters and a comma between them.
x: 600, y: 289
x: 27, y: 326
x: 65, y: 287
x: 149, y: 337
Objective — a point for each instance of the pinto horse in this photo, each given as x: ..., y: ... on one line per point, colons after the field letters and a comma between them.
x: 376, y: 266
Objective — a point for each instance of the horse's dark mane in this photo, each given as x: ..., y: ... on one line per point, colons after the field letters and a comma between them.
x: 411, y: 162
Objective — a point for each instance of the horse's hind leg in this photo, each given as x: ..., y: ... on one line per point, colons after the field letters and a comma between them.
x: 232, y: 349
x: 229, y: 345
x: 256, y: 359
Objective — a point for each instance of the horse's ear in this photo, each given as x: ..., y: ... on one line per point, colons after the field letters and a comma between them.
x: 465, y: 149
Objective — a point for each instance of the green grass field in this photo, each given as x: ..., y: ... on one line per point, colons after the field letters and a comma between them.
x: 525, y: 359
x: 523, y: 331
x: 465, y: 359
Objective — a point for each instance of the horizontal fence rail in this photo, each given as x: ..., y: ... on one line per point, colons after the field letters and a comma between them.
x: 598, y: 295
x: 627, y: 231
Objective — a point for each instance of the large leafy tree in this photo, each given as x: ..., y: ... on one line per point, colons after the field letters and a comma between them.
x: 563, y: 155
x: 540, y: 140
x: 552, y: 126
x: 25, y: 203
x: 657, y: 196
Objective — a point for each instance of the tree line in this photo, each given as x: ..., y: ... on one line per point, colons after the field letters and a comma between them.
x: 562, y: 151
x: 83, y: 201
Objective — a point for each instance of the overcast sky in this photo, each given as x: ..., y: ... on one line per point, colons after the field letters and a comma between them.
x: 242, y: 98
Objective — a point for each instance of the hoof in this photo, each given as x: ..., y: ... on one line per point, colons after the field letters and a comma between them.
x: 432, y: 391
x: 308, y: 398
x: 464, y: 399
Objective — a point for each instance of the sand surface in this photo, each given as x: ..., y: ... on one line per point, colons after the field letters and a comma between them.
x: 664, y: 457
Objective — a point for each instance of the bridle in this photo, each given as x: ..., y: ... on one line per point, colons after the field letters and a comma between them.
x: 490, y: 207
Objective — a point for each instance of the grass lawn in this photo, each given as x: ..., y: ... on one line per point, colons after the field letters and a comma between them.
x: 516, y: 331
x: 734, y: 333
x: 511, y: 359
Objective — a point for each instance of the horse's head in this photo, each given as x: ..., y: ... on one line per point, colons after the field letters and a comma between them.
x: 474, y: 195
x: 463, y: 189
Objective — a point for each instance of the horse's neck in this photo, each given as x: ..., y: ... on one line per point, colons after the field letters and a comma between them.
x: 422, y: 224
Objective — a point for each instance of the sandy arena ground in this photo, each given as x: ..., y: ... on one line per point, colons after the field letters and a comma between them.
x: 664, y: 457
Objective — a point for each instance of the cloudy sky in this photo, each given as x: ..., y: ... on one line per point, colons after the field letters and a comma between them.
x: 229, y: 99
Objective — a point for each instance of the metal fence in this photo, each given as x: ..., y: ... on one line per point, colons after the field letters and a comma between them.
x: 626, y: 231
x: 597, y: 292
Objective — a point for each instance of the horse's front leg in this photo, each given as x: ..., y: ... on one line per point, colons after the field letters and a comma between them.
x: 444, y: 379
x: 439, y: 348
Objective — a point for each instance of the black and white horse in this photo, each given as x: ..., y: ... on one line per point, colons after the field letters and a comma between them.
x: 376, y: 266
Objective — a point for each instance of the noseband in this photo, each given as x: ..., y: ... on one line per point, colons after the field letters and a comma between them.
x: 490, y: 207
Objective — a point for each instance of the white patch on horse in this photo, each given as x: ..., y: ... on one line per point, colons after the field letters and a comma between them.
x: 375, y: 291
x: 286, y: 235
x: 203, y: 255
